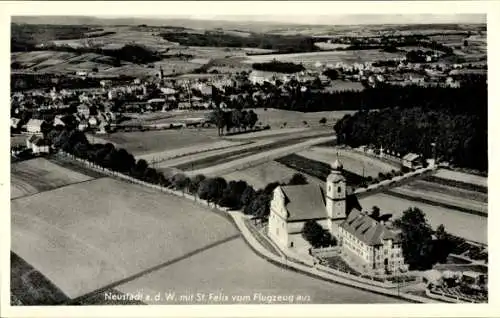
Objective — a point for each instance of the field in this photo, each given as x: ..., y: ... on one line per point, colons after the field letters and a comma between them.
x: 451, y: 196
x: 140, y: 143
x: 352, y: 161
x: 333, y: 57
x: 317, y: 169
x: 262, y: 175
x: 86, y: 236
x: 232, y: 269
x: 462, y: 177
x: 465, y: 225
x: 276, y: 117
x: 37, y: 175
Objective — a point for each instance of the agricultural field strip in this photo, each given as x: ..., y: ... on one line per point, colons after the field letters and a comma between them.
x: 258, y: 158
x: 462, y: 177
x: 218, y: 159
x: 117, y: 226
x: 175, y: 162
x: 36, y: 175
x: 267, y: 133
x: 191, y: 150
x: 475, y: 196
x: 442, y: 198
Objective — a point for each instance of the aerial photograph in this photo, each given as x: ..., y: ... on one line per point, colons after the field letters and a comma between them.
x: 171, y: 160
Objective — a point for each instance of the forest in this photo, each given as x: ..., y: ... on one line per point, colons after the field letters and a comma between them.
x: 277, y: 43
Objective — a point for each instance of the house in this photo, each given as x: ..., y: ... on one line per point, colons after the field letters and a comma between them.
x: 378, y: 247
x: 83, y: 110
x: 30, y: 140
x: 83, y: 125
x: 411, y: 161
x: 40, y: 146
x: 14, y: 122
x: 34, y: 126
x: 375, y: 246
x: 58, y: 121
x: 184, y: 105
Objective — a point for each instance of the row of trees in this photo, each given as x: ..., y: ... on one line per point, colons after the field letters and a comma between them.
x: 458, y: 138
x: 234, y: 119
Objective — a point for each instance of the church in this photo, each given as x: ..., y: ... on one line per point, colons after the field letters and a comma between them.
x: 373, y: 245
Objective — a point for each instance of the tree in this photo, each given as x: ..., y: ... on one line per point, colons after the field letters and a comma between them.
x: 416, y: 236
x: 180, y: 181
x: 247, y: 196
x: 316, y: 235
x: 375, y: 213
x: 297, y: 179
x: 331, y: 74
x: 218, y: 118
x: 237, y: 118
x: 259, y: 206
x: 195, y: 183
x: 322, y: 121
x: 232, y: 194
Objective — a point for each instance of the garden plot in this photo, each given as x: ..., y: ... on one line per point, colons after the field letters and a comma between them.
x: 84, y: 237
x: 37, y: 175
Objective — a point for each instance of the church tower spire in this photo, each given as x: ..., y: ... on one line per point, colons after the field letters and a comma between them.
x: 335, y: 197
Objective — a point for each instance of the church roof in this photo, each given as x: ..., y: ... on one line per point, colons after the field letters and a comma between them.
x: 366, y: 229
x: 304, y: 202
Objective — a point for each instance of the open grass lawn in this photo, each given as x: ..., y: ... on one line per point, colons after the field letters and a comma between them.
x: 261, y: 175
x: 139, y: 143
x: 36, y: 175
x: 90, y: 235
x: 352, y: 161
x: 468, y: 226
x: 276, y: 117
x: 233, y: 269
x: 316, y: 168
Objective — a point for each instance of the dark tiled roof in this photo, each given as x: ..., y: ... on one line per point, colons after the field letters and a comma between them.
x: 366, y: 229
x: 304, y: 202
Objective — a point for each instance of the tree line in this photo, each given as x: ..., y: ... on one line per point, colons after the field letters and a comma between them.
x: 234, y: 119
x: 278, y: 67
x: 461, y: 139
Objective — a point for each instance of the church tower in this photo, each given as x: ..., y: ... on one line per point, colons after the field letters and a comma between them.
x: 335, y: 198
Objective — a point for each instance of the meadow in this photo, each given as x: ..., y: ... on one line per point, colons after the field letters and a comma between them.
x: 293, y: 119
x: 233, y: 269
x: 461, y: 177
x: 261, y: 175
x: 352, y: 161
x: 153, y: 141
x: 468, y: 226
x: 86, y: 236
x: 37, y: 175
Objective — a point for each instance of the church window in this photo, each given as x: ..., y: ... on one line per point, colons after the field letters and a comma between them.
x: 339, y: 189
x: 329, y: 188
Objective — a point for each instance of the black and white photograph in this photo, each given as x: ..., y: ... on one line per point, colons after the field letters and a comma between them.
x: 255, y: 159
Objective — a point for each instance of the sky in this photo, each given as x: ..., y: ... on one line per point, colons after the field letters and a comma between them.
x: 338, y: 19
